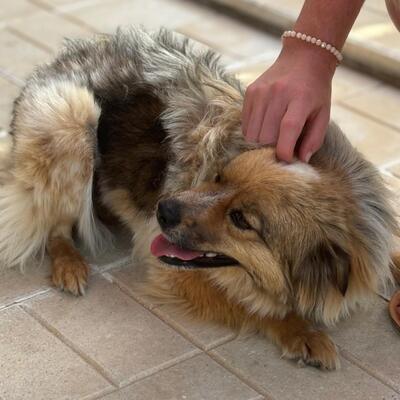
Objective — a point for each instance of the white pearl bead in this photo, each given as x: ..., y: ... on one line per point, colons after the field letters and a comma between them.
x: 316, y: 41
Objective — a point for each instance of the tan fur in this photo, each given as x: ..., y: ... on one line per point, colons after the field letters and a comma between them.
x: 200, y: 297
x: 69, y: 270
x: 396, y: 266
x: 50, y: 177
x: 312, y: 242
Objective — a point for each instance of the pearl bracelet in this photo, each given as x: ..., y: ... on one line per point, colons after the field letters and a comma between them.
x: 313, y: 40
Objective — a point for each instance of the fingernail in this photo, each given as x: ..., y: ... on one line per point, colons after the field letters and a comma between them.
x: 308, y: 156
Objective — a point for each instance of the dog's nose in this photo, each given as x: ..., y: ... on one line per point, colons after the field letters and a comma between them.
x: 169, y: 213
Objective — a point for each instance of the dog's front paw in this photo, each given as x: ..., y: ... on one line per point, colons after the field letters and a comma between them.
x: 313, y: 348
x: 70, y: 274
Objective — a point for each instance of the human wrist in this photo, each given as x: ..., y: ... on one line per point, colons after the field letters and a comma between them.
x: 315, y: 57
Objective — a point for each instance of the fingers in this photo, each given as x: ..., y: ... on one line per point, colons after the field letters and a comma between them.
x: 253, y: 112
x: 247, y: 106
x: 290, y: 129
x: 273, y: 116
x: 314, y: 135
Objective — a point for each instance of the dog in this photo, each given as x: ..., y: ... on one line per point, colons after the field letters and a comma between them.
x: 144, y: 128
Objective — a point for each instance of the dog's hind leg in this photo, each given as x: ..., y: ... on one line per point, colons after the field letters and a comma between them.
x: 50, y: 185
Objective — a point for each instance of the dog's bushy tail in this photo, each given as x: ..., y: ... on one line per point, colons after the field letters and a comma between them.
x: 48, y: 186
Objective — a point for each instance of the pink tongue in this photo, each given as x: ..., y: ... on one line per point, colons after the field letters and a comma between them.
x: 160, y: 246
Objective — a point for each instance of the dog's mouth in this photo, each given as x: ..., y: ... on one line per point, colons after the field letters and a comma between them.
x: 171, y: 254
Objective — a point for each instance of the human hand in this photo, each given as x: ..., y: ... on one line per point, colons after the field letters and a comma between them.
x: 289, y: 104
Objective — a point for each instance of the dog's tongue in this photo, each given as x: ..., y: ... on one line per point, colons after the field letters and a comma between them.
x: 160, y: 246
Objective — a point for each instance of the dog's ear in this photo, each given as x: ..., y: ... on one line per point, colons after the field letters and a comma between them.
x: 326, y: 266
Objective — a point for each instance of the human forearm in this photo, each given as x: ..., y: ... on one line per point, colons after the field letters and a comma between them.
x: 329, y: 21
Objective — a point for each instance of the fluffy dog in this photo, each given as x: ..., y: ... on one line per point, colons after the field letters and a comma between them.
x: 146, y: 129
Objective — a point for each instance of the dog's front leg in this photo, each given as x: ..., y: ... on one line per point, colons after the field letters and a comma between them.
x: 69, y: 270
x: 294, y: 335
x: 298, y: 339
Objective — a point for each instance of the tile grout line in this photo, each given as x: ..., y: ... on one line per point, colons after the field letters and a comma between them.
x: 21, y: 299
x: 161, y: 367
x: 211, y: 351
x: 122, y: 262
x: 212, y: 46
x: 169, y: 321
x: 186, y: 336
x: 29, y: 39
x: 99, y: 394
x: 368, y: 116
x: 94, y: 364
x: 369, y: 370
x: 63, y: 14
x: 140, y: 377
x: 6, y: 75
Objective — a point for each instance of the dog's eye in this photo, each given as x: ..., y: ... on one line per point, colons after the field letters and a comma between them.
x: 239, y: 220
x: 217, y: 178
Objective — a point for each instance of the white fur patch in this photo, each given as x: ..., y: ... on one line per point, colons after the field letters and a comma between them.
x: 302, y: 169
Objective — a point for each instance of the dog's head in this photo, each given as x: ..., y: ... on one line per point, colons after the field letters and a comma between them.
x: 289, y: 227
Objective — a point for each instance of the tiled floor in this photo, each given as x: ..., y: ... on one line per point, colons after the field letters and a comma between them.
x: 113, y: 344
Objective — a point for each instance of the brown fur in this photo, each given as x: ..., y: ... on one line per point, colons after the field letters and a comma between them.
x: 69, y: 270
x: 135, y: 118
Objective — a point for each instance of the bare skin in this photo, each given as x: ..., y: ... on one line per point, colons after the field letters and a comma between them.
x: 289, y: 104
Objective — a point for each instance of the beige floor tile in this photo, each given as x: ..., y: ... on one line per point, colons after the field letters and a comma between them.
x: 18, y: 57
x: 382, y: 102
x: 8, y: 93
x: 376, y: 31
x: 110, y: 14
x: 119, y: 334
x: 395, y: 169
x: 376, y: 5
x: 69, y: 4
x: 16, y: 285
x: 377, y: 344
x: 129, y: 278
x: 230, y: 36
x: 347, y: 83
x: 115, y: 253
x: 248, y: 71
x: 48, y: 29
x: 35, y: 365
x: 5, y: 141
x: 290, y: 8
x: 204, y: 333
x: 15, y: 8
x: 377, y: 142
x: 260, y: 361
x: 393, y: 181
x: 199, y: 378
